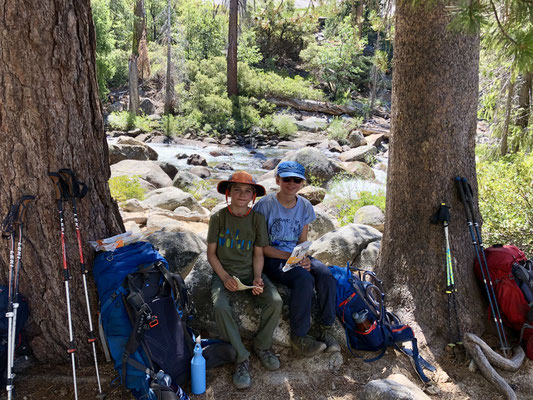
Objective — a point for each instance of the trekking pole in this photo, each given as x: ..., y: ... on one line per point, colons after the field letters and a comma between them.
x: 443, y: 215
x: 493, y: 303
x: 469, y: 198
x: 79, y: 190
x: 8, y: 232
x: 62, y: 193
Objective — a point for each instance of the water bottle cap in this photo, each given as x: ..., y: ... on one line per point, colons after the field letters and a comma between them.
x: 360, y: 316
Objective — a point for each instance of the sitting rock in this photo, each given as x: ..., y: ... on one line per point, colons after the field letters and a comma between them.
x: 149, y: 171
x: 356, y: 139
x: 170, y: 198
x: 124, y: 140
x: 359, y: 169
x: 314, y: 194
x: 315, y: 162
x: 370, y: 215
x: 196, y: 159
x: 343, y: 244
x: 395, y: 387
x: 368, y: 257
x: 181, y: 249
x: 202, y: 172
x: 186, y: 180
x: 271, y: 163
x: 321, y: 225
x: 359, y: 153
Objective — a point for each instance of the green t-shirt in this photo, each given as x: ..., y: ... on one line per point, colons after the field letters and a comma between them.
x: 235, y: 238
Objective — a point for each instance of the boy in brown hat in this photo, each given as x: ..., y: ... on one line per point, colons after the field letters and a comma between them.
x: 236, y: 238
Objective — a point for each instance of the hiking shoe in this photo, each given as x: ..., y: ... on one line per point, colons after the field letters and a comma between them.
x: 242, y: 378
x: 326, y: 337
x: 306, y: 346
x: 269, y: 360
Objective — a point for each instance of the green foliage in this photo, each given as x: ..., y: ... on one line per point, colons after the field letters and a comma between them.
x: 126, y: 187
x: 348, y: 209
x: 506, y: 200
x: 247, y: 51
x: 198, y: 189
x: 282, y: 31
x: 283, y: 125
x: 204, y: 29
x: 125, y: 121
x: 338, y: 62
x: 210, y: 203
x: 315, y: 181
x: 176, y: 125
x: 105, y: 68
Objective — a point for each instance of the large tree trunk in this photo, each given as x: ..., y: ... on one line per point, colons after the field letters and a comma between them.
x: 524, y: 104
x: 51, y: 118
x: 232, y: 48
x: 434, y: 101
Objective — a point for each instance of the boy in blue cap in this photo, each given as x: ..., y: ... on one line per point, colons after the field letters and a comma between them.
x: 288, y: 217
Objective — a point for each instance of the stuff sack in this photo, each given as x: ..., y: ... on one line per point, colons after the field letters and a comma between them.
x: 523, y: 275
x: 23, y: 313
x: 361, y: 293
x: 141, y: 308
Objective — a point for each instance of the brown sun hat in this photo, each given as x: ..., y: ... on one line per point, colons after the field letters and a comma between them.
x: 240, y: 177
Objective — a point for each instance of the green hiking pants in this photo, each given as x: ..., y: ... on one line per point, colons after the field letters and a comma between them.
x: 270, y: 303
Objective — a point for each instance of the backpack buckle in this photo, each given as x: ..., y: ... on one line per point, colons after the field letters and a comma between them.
x: 153, y: 321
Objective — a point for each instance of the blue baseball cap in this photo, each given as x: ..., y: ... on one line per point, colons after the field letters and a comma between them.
x: 290, y: 168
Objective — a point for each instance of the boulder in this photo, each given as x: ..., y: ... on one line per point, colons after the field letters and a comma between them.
x: 321, y: 225
x: 343, y: 244
x: 151, y: 153
x: 117, y: 106
x: 314, y: 194
x: 312, y: 124
x: 356, y: 139
x: 170, y: 198
x: 158, y: 222
x: 395, y: 387
x: 170, y: 169
x: 358, y: 154
x: 294, y: 145
x: 147, y: 170
x: 224, y: 167
x: 368, y: 256
x: 315, y: 162
x: 270, y: 185
x: 359, y: 169
x: 185, y: 214
x: 119, y: 152
x: 132, y: 227
x: 202, y: 172
x: 196, y: 159
x: 181, y: 156
x: 271, y: 163
x: 147, y: 106
x: 209, y: 140
x: 132, y: 205
x: 370, y: 215
x: 181, y: 249
x: 375, y: 139
x: 185, y: 180
x: 220, y: 153
x: 137, y: 217
x: 144, y: 137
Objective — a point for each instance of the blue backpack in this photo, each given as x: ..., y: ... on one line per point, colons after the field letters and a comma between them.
x: 141, y: 308
x: 361, y: 292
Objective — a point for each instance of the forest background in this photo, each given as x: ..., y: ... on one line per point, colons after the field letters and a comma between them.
x: 335, y: 51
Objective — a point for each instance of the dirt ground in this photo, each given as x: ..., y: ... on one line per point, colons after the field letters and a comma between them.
x: 298, y: 378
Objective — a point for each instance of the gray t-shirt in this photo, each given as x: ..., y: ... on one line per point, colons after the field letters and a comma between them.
x: 285, y: 225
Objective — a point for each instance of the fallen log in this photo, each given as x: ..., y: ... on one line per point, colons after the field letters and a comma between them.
x: 316, y: 106
x: 482, y: 353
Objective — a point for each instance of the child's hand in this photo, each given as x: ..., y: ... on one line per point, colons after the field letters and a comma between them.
x: 260, y: 285
x: 230, y: 284
x: 305, y: 263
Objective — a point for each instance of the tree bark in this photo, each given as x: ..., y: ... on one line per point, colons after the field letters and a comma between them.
x: 133, y: 78
x: 524, y: 104
x: 434, y: 102
x: 169, y: 87
x: 51, y: 118
x: 504, y: 148
x: 232, y: 48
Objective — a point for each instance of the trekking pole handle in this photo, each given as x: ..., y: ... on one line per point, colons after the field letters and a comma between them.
x: 77, y: 189
x: 24, y: 202
x: 62, y: 190
x: 459, y: 184
x: 469, y: 193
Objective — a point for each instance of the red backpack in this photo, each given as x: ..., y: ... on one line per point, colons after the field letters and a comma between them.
x: 511, y: 301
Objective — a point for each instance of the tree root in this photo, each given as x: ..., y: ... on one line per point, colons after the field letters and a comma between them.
x: 484, y: 356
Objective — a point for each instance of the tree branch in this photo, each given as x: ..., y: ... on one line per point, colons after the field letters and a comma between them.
x: 504, y: 33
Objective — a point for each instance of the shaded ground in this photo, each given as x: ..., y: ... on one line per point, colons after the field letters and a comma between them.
x: 298, y: 378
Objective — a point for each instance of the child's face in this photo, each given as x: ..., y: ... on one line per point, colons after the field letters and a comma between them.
x: 289, y: 185
x: 241, y: 194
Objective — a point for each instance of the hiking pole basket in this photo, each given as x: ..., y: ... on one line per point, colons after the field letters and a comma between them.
x: 78, y: 190
x: 465, y: 192
x: 62, y: 193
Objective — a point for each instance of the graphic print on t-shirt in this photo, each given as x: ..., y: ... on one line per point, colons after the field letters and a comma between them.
x: 226, y: 239
x: 284, y: 230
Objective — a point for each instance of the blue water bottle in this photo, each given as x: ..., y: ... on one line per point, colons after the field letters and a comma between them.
x: 198, y: 370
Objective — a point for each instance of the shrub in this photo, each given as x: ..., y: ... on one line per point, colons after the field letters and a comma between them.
x: 283, y: 125
x: 126, y: 187
x: 350, y: 207
x: 123, y: 120
x: 337, y: 129
x: 506, y: 200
